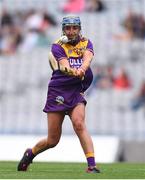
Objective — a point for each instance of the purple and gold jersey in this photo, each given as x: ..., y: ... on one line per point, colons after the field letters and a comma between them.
x: 74, y: 54
x: 65, y: 92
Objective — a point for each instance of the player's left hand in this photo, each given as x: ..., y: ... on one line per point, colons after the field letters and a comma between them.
x: 80, y: 72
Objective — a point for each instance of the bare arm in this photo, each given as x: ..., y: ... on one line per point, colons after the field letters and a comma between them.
x: 87, y: 58
x: 64, y: 63
x: 65, y: 67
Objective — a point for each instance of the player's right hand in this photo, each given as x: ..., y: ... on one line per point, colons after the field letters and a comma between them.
x: 69, y: 71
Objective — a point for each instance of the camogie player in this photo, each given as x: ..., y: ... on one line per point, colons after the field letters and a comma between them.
x: 70, y: 59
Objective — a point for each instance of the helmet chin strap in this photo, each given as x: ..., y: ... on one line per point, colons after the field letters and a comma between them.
x: 73, y: 41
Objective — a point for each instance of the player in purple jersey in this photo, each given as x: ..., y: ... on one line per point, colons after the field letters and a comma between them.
x: 71, y: 56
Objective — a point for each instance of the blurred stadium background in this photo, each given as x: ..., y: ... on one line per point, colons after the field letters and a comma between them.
x: 116, y: 99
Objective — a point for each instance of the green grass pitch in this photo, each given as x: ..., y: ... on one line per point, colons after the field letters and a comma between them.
x: 48, y: 170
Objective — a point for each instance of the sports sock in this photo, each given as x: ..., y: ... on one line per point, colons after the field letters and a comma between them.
x: 31, y: 155
x: 90, y: 159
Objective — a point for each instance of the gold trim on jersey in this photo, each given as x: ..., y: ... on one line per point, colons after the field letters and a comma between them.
x: 74, y: 51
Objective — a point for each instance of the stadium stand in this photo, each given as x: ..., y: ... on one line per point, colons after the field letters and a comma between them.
x: 24, y: 76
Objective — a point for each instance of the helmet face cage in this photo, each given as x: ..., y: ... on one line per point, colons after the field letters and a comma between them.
x: 70, y: 21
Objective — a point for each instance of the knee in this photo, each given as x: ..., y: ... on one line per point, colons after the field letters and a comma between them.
x: 78, y: 126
